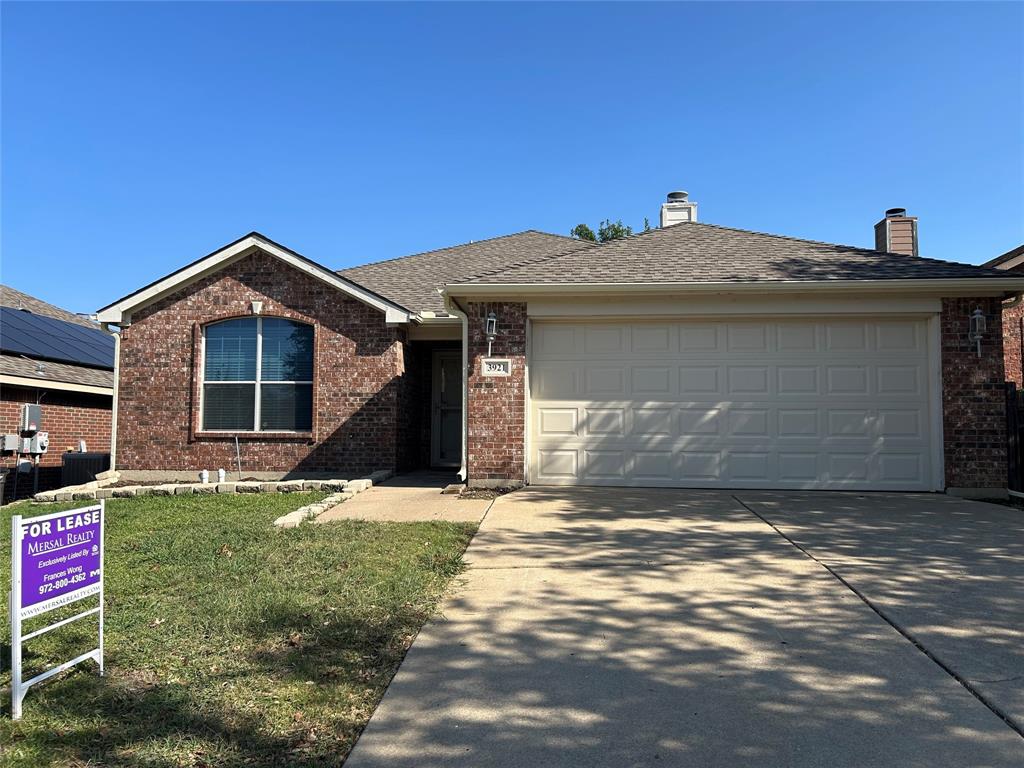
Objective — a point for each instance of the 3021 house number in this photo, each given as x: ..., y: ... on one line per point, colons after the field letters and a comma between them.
x: 496, y: 366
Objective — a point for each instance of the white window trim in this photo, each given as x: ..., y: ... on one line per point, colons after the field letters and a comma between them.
x: 257, y: 383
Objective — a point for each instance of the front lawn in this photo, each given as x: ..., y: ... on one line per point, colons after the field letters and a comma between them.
x: 229, y: 642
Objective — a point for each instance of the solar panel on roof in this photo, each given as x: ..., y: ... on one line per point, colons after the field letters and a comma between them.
x: 36, y: 336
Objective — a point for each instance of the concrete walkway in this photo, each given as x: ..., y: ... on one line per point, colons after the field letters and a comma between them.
x: 613, y: 627
x: 414, y: 497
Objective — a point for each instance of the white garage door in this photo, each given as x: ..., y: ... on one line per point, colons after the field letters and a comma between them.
x: 766, y: 403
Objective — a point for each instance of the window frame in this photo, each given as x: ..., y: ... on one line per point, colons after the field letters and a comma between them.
x: 257, y: 383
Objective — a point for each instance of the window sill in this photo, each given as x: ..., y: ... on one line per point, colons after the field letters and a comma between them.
x: 297, y: 436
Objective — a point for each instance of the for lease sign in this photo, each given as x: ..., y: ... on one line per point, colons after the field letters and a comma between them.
x: 60, y: 559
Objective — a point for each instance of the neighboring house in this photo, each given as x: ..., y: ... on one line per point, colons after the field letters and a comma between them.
x: 692, y: 355
x: 1013, y: 316
x: 64, y: 363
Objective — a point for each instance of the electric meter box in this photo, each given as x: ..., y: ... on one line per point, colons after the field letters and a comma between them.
x: 39, y: 443
x: 10, y: 443
x: 31, y: 417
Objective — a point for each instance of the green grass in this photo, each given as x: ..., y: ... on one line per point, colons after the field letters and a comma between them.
x: 228, y: 642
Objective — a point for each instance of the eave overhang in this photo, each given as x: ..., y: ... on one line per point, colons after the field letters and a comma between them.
x: 974, y: 286
x: 120, y: 312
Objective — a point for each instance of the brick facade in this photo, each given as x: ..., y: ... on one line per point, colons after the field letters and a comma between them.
x: 973, y: 397
x: 372, y: 386
x: 1013, y: 333
x: 359, y: 378
x: 497, y: 405
x: 68, y: 417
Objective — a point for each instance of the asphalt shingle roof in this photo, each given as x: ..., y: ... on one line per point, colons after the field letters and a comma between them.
x: 414, y: 281
x: 12, y: 297
x: 695, y: 252
x: 28, y: 367
x: 71, y: 374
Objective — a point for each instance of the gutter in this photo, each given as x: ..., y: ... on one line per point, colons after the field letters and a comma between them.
x: 117, y: 386
x: 963, y: 286
x: 66, y: 386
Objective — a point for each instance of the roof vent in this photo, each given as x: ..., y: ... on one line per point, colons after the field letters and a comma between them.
x: 891, y: 212
x: 677, y: 209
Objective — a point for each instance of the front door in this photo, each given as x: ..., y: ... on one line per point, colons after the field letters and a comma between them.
x: 446, y: 411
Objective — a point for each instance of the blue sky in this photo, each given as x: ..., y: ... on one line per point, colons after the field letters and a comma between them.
x: 140, y: 136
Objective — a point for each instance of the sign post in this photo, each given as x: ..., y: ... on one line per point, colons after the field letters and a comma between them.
x: 56, y: 560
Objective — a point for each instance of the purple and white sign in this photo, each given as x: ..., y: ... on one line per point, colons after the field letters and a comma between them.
x: 55, y: 560
x: 61, y: 559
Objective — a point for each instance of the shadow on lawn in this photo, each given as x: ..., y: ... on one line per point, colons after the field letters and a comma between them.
x: 127, y: 713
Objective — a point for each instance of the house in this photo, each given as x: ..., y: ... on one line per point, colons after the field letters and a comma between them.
x: 1013, y: 316
x: 62, y: 362
x: 692, y: 355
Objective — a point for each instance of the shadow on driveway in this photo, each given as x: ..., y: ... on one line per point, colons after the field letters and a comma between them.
x: 948, y: 572
x: 615, y: 627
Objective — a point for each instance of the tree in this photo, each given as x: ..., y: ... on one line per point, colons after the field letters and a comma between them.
x: 583, y: 232
x: 607, y: 231
x: 610, y: 230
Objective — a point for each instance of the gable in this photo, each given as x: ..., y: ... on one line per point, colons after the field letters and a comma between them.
x: 121, y: 311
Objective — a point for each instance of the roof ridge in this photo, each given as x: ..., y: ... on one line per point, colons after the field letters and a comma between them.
x: 48, y: 309
x: 790, y: 238
x: 451, y: 248
x: 859, y: 248
x: 580, y: 245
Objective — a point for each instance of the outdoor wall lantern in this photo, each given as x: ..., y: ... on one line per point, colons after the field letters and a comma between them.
x: 977, y: 328
x: 491, y: 329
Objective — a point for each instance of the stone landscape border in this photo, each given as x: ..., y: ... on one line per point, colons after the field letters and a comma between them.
x: 342, y: 490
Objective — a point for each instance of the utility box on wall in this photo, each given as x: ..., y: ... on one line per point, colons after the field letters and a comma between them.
x: 31, y: 418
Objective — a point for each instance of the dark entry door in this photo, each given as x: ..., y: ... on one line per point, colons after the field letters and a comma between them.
x: 446, y: 401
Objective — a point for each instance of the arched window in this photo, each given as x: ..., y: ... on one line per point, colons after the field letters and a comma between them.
x: 257, y: 376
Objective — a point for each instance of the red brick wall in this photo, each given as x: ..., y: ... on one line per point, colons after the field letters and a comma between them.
x: 497, y: 416
x: 68, y: 417
x: 973, y: 397
x: 1013, y: 340
x: 1013, y: 330
x: 358, y: 377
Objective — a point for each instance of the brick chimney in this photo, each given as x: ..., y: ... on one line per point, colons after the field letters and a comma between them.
x: 677, y: 209
x: 897, y: 233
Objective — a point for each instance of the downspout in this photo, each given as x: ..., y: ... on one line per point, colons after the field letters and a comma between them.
x: 453, y: 306
x: 117, y: 382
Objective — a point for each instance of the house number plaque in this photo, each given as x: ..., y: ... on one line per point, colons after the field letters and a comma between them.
x: 496, y: 366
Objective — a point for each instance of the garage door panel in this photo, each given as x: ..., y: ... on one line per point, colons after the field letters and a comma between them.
x: 797, y: 337
x: 786, y: 404
x: 652, y: 422
x: 652, y: 381
x: 700, y: 380
x: 846, y: 337
x: 555, y: 381
x: 698, y: 337
x: 747, y: 380
x: 656, y: 339
x: 604, y: 339
x: 797, y: 380
x: 746, y: 337
x: 604, y: 421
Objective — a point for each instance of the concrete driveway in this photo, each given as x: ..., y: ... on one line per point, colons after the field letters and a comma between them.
x: 614, y: 627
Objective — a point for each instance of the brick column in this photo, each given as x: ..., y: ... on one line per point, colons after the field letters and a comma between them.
x: 973, y: 399
x: 496, y: 407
